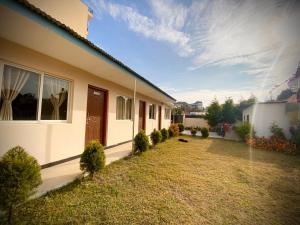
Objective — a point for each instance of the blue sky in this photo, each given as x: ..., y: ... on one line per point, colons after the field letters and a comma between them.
x: 202, y: 49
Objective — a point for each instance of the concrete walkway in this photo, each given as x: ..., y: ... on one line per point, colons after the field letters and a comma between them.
x: 57, y: 176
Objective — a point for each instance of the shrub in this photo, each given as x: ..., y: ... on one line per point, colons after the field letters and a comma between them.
x: 244, y: 131
x: 277, y: 131
x: 19, y: 176
x: 181, y: 127
x: 204, y: 132
x: 173, y: 130
x: 272, y: 144
x: 164, y: 134
x: 141, y: 142
x: 194, y: 131
x: 156, y: 137
x: 92, y: 158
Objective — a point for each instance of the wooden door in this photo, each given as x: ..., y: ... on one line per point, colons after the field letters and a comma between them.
x: 142, y: 115
x: 96, y: 115
x: 159, y: 117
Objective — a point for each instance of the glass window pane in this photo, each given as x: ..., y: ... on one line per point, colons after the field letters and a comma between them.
x: 19, y: 94
x: 128, y: 108
x: 120, y: 109
x: 55, y: 99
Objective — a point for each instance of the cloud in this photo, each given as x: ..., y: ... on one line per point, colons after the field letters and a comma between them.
x: 165, y: 25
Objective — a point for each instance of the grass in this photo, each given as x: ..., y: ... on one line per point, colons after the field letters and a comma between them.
x: 205, y: 181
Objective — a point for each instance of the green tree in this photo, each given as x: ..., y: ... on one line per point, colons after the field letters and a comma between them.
x: 229, y: 111
x: 284, y: 95
x: 214, y: 113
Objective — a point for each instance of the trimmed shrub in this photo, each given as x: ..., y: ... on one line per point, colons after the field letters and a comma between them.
x: 141, y: 142
x: 244, y: 131
x: 204, y: 132
x: 155, y: 137
x: 92, y: 158
x: 164, y: 134
x: 194, y: 131
x: 277, y: 131
x: 173, y: 130
x: 20, y: 174
x: 181, y: 127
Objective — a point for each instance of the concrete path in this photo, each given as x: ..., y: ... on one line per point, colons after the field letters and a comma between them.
x: 57, y: 176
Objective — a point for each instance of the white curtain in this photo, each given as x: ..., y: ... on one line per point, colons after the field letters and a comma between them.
x: 13, y: 81
x: 56, y: 90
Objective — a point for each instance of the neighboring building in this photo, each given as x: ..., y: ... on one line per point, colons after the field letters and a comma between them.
x: 198, y: 105
x: 263, y: 115
x: 60, y: 91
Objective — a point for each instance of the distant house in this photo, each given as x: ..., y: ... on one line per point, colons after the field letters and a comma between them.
x: 59, y: 90
x: 198, y: 105
x: 263, y: 115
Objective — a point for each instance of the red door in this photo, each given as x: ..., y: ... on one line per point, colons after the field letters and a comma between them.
x: 142, y: 115
x: 159, y: 117
x: 96, y: 115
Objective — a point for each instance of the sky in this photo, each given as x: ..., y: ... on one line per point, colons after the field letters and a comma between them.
x: 203, y: 49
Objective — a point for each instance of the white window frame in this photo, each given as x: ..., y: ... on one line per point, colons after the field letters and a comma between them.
x: 132, y: 110
x: 154, y: 111
x: 40, y: 93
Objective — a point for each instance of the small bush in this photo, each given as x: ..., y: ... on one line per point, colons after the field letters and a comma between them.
x: 93, y: 158
x: 19, y: 176
x: 156, y: 137
x: 194, y: 131
x: 277, y: 131
x: 164, y: 134
x: 181, y: 127
x: 244, y: 131
x: 141, y: 142
x: 173, y: 130
x: 204, y: 132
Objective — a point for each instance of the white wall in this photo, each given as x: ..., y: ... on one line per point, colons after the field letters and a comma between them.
x: 50, y: 142
x: 195, y: 122
x: 261, y: 116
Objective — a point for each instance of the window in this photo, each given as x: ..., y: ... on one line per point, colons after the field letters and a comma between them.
x: 152, y: 111
x: 124, y: 108
x: 22, y: 91
x: 19, y: 94
x: 55, y: 99
x: 248, y: 118
x: 167, y: 113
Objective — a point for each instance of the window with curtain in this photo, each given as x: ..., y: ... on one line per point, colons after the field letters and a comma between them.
x: 19, y: 94
x: 152, y: 111
x: 55, y: 98
x: 124, y: 108
x: 167, y: 113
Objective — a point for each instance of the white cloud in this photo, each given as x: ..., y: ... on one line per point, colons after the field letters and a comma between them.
x: 165, y: 25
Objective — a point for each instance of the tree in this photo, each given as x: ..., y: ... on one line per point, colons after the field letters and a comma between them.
x: 214, y: 113
x: 284, y: 95
x: 229, y: 111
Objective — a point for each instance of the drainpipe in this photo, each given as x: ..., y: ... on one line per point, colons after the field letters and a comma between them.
x: 133, y: 117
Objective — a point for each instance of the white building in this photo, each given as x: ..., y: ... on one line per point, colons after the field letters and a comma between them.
x: 263, y: 115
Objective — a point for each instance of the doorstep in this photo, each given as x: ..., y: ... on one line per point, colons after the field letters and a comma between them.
x: 59, y: 175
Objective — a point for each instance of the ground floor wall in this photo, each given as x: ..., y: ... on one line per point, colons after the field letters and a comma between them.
x: 53, y: 141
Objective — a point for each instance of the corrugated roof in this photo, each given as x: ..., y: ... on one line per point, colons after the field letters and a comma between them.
x: 41, y: 13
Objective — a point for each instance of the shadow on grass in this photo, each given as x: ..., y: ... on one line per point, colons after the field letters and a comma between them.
x: 240, y: 150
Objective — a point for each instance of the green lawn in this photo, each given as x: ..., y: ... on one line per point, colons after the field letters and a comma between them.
x: 200, y: 182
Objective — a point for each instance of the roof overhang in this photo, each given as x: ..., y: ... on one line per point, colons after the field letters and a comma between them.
x: 24, y: 26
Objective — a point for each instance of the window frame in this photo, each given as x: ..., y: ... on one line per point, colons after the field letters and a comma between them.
x: 167, y: 115
x: 41, y: 75
x: 126, y: 98
x: 154, y: 111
